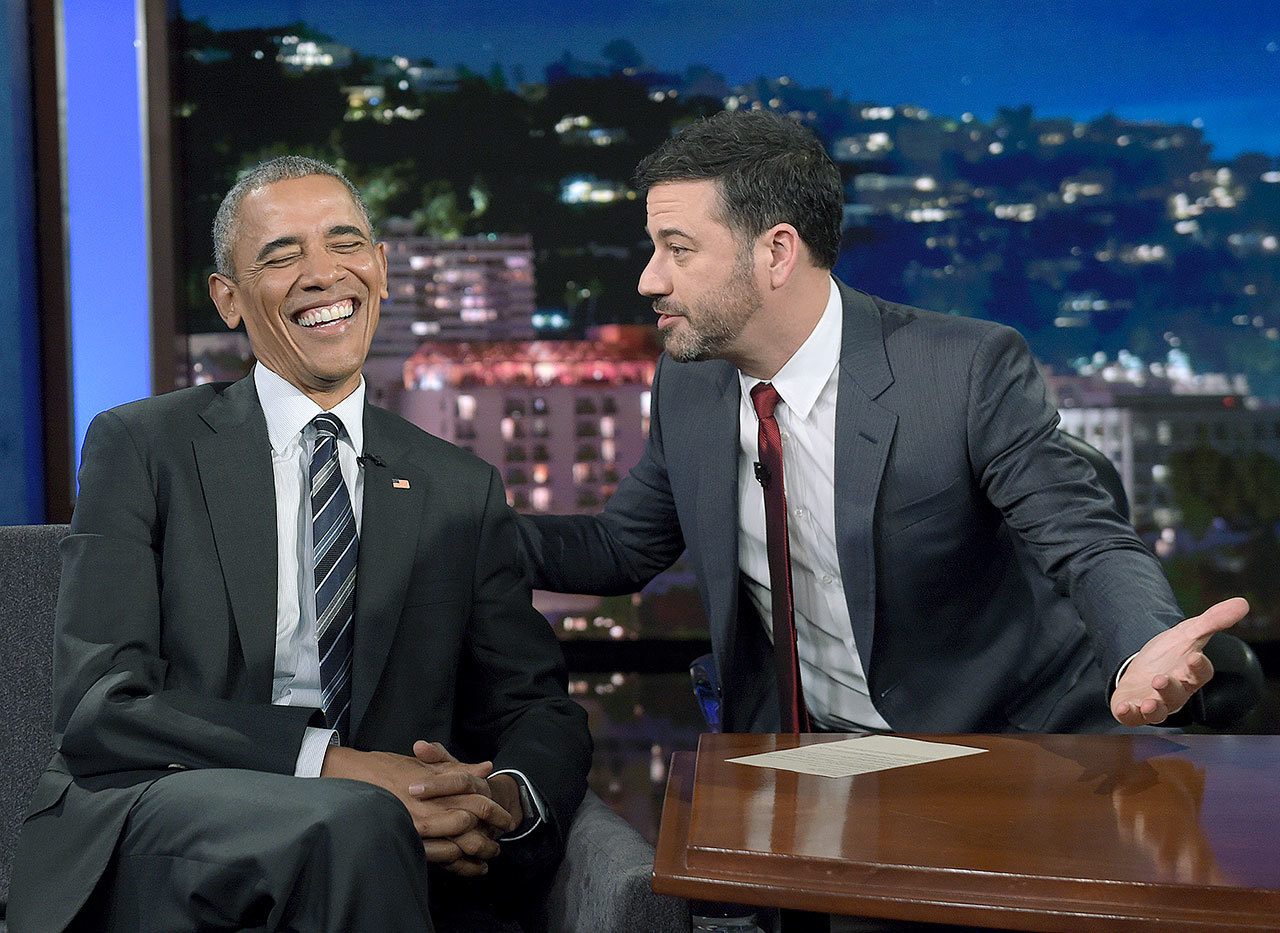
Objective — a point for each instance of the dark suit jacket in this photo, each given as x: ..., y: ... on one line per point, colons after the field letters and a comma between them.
x: 165, y: 635
x: 950, y: 479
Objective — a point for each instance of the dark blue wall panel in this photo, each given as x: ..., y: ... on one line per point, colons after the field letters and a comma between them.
x: 21, y: 457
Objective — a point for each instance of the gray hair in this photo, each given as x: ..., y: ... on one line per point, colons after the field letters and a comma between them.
x: 283, y: 168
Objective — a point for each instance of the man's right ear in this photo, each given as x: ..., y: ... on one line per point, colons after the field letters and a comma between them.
x: 223, y: 292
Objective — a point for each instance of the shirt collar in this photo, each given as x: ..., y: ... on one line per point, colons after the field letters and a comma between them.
x: 801, y: 379
x: 288, y: 410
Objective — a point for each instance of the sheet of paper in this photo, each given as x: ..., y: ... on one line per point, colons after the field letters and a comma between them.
x: 861, y: 755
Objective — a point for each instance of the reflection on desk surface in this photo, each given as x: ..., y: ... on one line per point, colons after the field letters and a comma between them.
x: 1185, y: 810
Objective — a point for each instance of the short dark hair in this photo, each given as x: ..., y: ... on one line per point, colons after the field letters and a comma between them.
x: 281, y: 168
x: 768, y: 170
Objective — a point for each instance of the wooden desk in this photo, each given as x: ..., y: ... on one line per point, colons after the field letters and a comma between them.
x: 1069, y: 833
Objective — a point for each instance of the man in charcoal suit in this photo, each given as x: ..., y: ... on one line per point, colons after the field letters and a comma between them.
x: 861, y: 486
x: 296, y: 661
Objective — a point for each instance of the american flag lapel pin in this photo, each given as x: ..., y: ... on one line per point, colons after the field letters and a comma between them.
x: 400, y: 484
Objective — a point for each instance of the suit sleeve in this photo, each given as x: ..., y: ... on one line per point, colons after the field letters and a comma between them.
x: 513, y: 702
x: 635, y: 538
x: 1051, y: 497
x: 113, y: 710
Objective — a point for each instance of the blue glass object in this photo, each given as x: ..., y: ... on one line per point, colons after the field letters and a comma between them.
x: 706, y: 687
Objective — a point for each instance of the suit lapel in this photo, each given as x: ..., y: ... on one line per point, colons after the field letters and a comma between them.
x: 864, y: 433
x: 713, y: 430
x: 391, y: 522
x: 239, y: 491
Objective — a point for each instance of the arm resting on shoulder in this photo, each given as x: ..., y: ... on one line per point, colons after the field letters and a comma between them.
x: 635, y: 538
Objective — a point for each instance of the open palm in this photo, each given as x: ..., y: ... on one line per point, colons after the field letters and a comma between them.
x: 1172, y: 666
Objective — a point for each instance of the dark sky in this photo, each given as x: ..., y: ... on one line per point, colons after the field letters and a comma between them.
x: 1175, y: 60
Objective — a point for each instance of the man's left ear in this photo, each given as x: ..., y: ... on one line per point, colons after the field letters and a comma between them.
x: 785, y: 247
x: 382, y: 266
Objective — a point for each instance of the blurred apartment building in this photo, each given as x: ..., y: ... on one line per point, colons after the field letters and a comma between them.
x: 1140, y: 415
x: 456, y: 354
x: 561, y: 420
x: 465, y: 288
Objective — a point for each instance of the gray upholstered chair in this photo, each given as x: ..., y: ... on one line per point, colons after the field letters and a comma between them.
x: 602, y: 885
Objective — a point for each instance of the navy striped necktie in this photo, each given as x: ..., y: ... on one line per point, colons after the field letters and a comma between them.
x: 334, y: 549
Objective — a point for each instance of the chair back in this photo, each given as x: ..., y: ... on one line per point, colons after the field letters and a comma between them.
x: 28, y: 595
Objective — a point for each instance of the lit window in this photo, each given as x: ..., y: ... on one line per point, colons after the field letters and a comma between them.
x: 466, y: 407
x: 540, y: 498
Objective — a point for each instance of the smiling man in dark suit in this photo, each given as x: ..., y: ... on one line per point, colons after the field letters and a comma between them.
x: 270, y: 586
x: 857, y: 483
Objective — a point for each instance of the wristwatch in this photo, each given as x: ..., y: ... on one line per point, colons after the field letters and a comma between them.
x: 528, y: 810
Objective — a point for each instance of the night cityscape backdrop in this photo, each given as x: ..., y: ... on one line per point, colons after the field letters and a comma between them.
x: 1102, y: 177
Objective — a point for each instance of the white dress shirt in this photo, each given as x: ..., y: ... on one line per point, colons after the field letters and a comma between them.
x: 297, y: 664
x: 293, y: 439
x: 831, y: 674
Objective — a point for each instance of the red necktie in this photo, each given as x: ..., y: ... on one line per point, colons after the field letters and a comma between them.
x: 795, y: 718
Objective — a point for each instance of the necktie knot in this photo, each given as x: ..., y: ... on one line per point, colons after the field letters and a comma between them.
x: 765, y: 398
x: 327, y: 425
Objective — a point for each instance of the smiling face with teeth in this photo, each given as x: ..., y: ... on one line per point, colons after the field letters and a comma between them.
x: 307, y: 285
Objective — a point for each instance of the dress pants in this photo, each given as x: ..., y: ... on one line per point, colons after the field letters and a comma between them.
x: 223, y: 849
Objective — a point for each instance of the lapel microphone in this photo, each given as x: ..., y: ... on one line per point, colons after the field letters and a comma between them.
x: 367, y: 459
x: 762, y: 474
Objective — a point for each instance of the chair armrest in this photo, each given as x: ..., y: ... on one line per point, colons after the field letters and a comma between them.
x: 1237, y: 686
x: 604, y: 882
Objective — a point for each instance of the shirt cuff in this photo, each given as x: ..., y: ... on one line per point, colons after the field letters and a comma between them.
x: 1120, y: 673
x: 531, y: 821
x: 315, y: 742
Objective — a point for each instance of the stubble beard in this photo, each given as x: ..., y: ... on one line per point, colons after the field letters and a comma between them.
x: 710, y: 326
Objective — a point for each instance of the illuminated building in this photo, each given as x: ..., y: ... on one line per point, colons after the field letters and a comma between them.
x: 579, y: 130
x: 588, y: 189
x: 562, y: 420
x: 467, y: 288
x: 1139, y: 416
x: 300, y: 55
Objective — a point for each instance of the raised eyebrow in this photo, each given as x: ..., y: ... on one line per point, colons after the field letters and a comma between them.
x: 276, y: 244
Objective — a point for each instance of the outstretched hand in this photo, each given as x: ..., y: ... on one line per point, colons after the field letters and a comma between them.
x: 1171, y: 666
